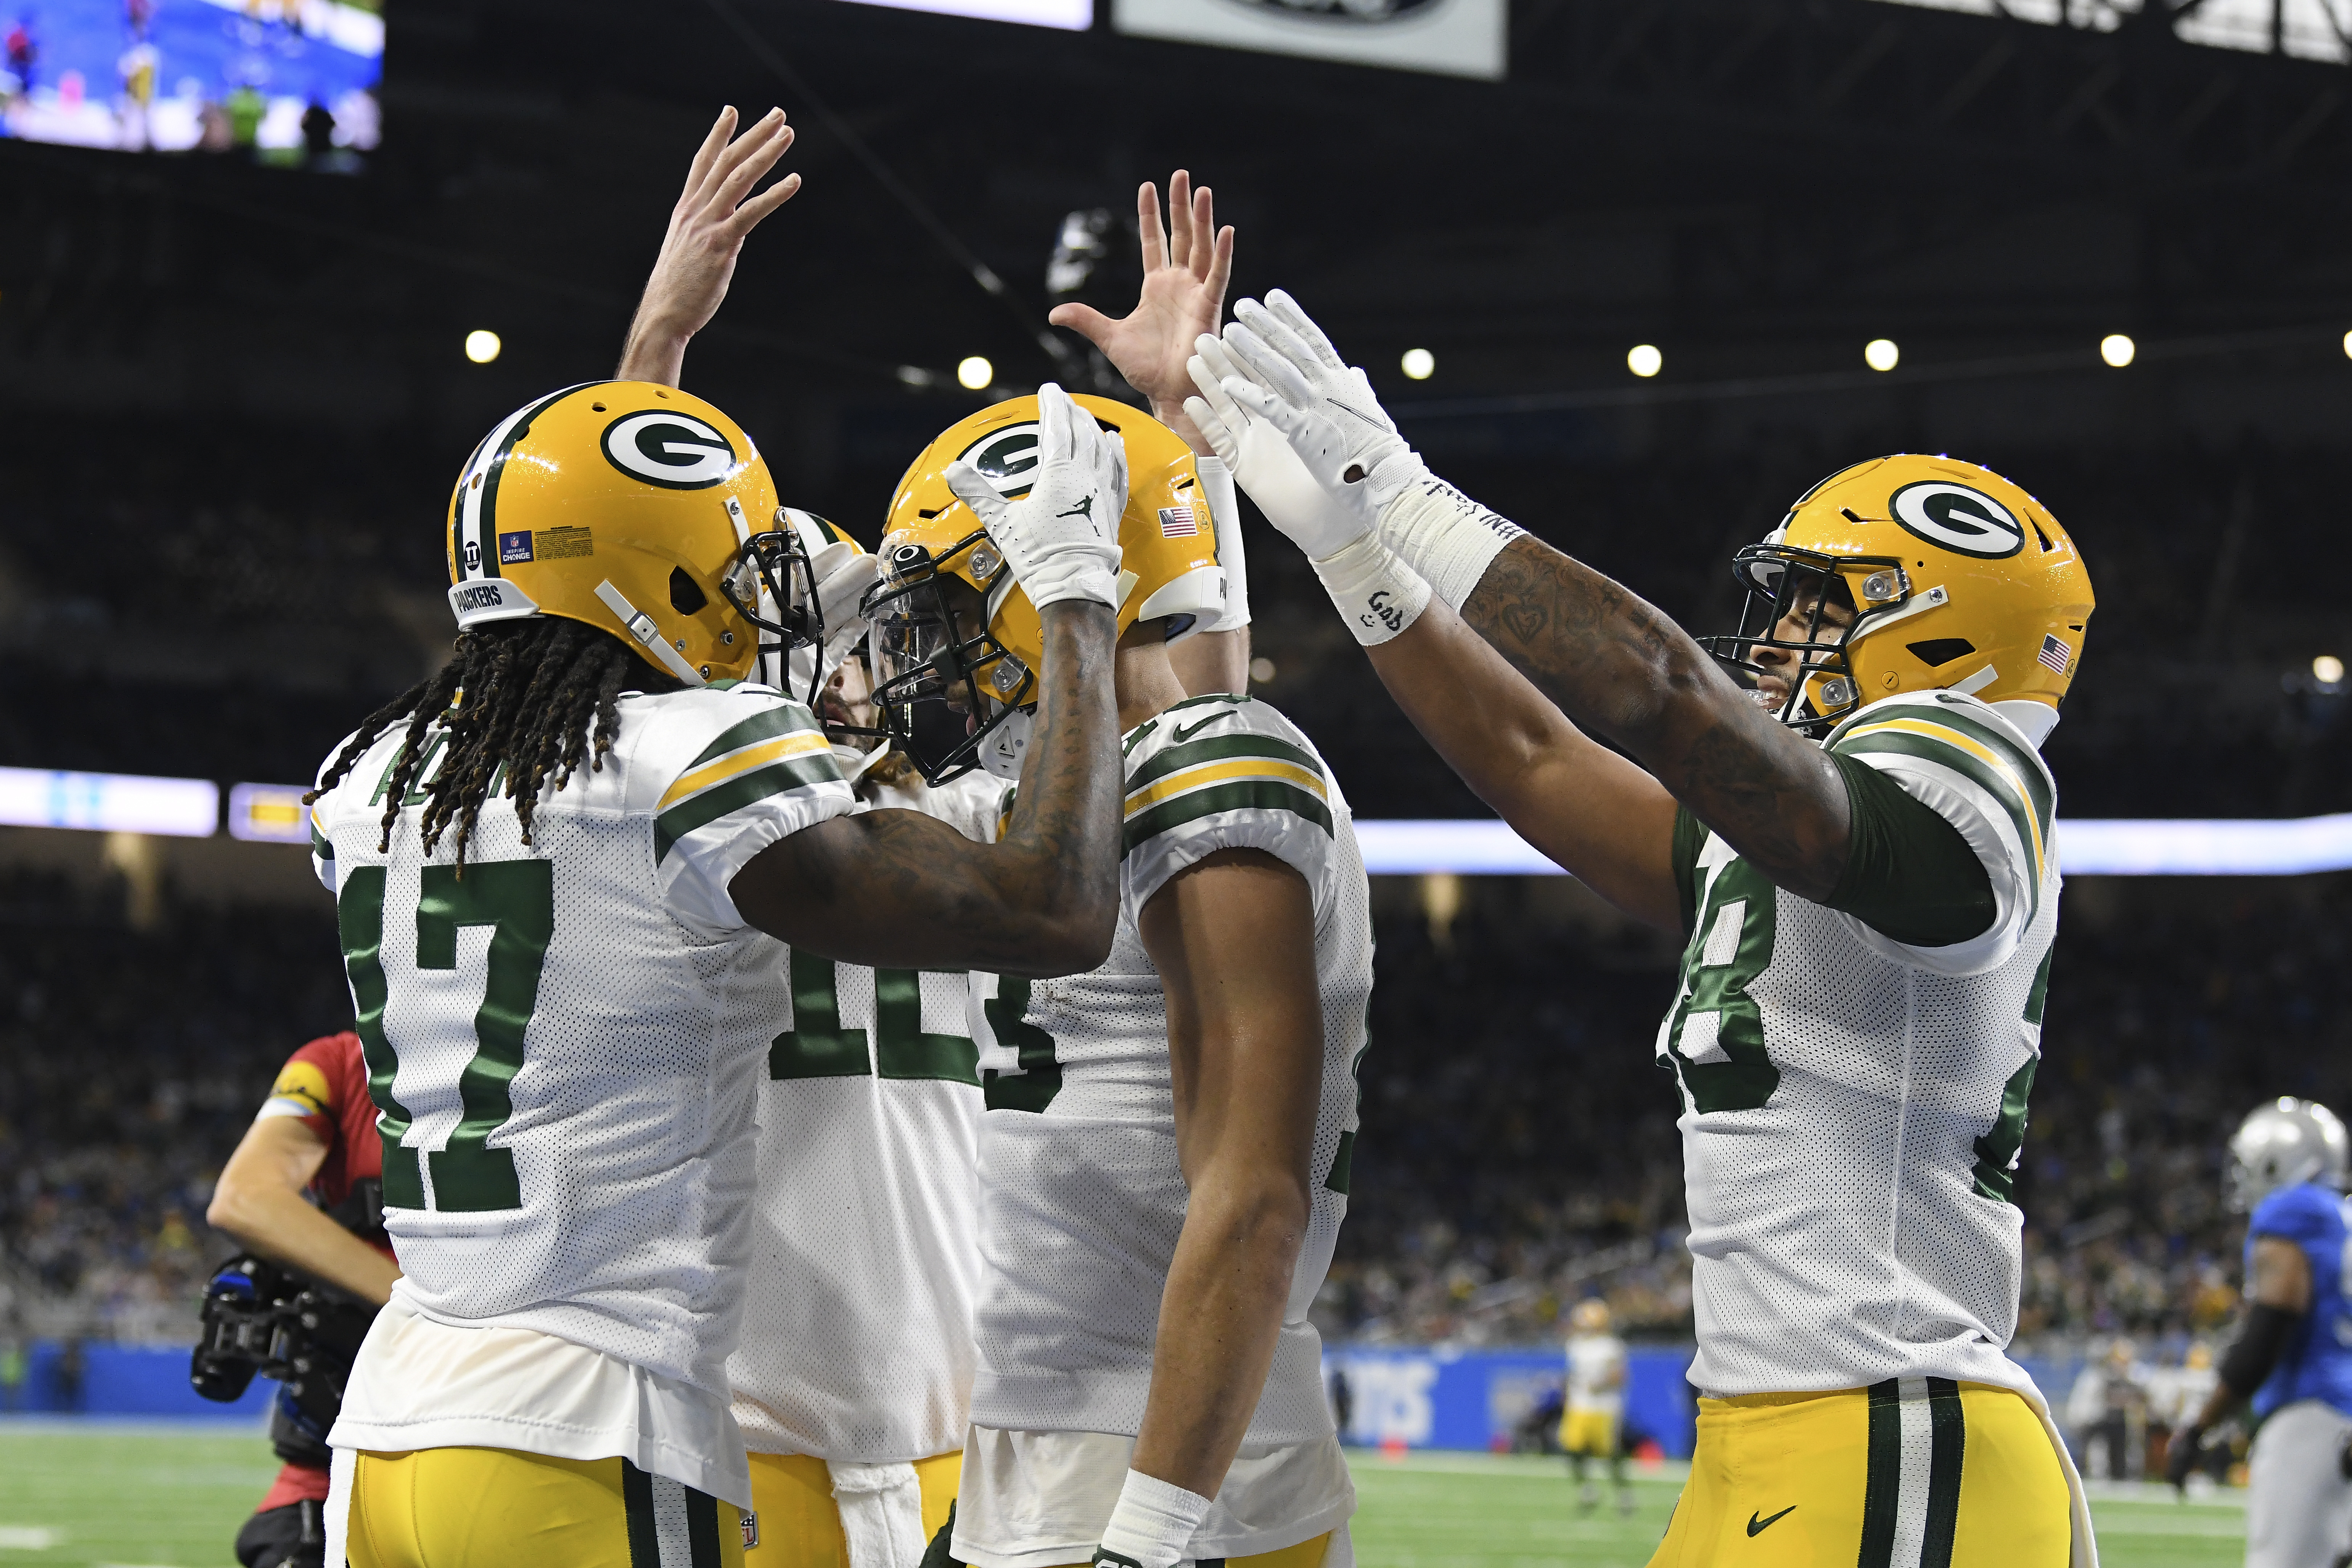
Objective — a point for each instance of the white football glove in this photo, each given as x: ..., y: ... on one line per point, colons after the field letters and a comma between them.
x: 1311, y: 499
x: 1061, y: 539
x: 1261, y: 458
x: 1443, y: 535
x: 1284, y: 348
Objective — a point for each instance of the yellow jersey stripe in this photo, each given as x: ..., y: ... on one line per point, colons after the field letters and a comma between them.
x: 799, y: 744
x: 1207, y: 774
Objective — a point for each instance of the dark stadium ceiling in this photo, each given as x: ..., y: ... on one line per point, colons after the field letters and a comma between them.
x: 1757, y: 185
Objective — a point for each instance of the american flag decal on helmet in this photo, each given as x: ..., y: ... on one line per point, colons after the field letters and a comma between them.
x: 1177, y: 523
x: 2054, y: 653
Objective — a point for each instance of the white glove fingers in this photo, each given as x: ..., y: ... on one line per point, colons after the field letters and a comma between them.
x: 1278, y: 375
x: 1205, y: 375
x: 1115, y: 491
x: 1221, y: 362
x: 1274, y: 331
x: 1059, y: 421
x: 1286, y: 309
x: 1214, y: 430
x: 972, y: 487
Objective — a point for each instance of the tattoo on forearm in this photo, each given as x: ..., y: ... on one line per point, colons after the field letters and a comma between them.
x: 1613, y: 663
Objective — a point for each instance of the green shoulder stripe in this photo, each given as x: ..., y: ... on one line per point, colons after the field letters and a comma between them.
x: 2027, y: 764
x: 320, y: 844
x: 764, y: 725
x: 1241, y: 794
x: 1217, y: 749
x: 1969, y: 766
x: 701, y: 810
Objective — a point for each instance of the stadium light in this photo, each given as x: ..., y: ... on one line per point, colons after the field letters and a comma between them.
x: 1419, y: 363
x: 1879, y: 354
x: 482, y: 346
x: 2117, y: 350
x: 2088, y: 847
x: 2328, y: 669
x: 2347, y: 345
x: 110, y: 802
x: 974, y: 372
x: 268, y: 813
x: 1645, y: 360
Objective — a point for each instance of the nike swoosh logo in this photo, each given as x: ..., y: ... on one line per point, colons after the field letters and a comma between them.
x: 1184, y: 735
x: 1758, y: 1526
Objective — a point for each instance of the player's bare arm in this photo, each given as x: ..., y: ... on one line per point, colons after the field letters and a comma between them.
x: 1607, y: 659
x: 902, y: 889
x: 1234, y: 940
x: 2281, y: 1282
x: 714, y: 214
x: 1187, y: 265
x: 1581, y: 803
x: 259, y: 1202
x: 1614, y: 663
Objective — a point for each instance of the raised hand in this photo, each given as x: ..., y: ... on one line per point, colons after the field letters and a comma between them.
x: 714, y: 214
x: 1186, y: 267
x: 1288, y: 455
x: 1285, y: 350
x: 1061, y: 539
x: 1259, y: 453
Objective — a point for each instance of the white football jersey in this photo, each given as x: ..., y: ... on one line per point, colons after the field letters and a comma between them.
x: 564, y: 1042
x: 856, y: 1340
x: 1081, y: 1195
x: 1596, y: 1374
x: 1853, y: 1107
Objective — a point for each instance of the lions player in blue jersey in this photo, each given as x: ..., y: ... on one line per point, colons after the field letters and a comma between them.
x: 2293, y: 1357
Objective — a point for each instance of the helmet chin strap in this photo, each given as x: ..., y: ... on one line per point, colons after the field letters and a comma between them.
x: 640, y: 626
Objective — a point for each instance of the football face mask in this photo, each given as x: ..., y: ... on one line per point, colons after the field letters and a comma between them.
x: 930, y: 643
x: 1802, y: 604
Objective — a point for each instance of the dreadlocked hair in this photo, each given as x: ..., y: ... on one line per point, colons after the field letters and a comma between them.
x: 514, y: 702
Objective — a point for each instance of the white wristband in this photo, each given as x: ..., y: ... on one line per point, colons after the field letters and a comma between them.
x: 1445, y: 536
x: 1377, y: 595
x: 1225, y: 511
x: 1085, y: 572
x: 1153, y: 1524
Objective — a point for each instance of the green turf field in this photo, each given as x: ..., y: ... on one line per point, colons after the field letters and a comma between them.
x: 75, y: 1497
x: 1473, y: 1510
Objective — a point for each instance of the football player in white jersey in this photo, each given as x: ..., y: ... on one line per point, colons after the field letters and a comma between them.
x: 1165, y: 1157
x: 853, y: 1377
x: 1852, y: 828
x: 565, y: 1005
x: 1593, y: 1417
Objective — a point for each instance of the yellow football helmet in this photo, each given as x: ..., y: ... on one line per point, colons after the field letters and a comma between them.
x: 638, y: 510
x: 986, y: 661
x: 1957, y: 579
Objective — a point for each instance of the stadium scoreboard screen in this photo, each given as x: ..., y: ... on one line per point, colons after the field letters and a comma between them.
x: 289, y: 83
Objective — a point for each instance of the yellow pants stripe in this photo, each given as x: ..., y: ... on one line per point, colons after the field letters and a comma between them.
x: 1911, y: 1473
x: 499, y: 1508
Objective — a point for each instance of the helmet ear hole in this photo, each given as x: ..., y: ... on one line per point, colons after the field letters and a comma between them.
x: 686, y: 595
x: 1941, y: 651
